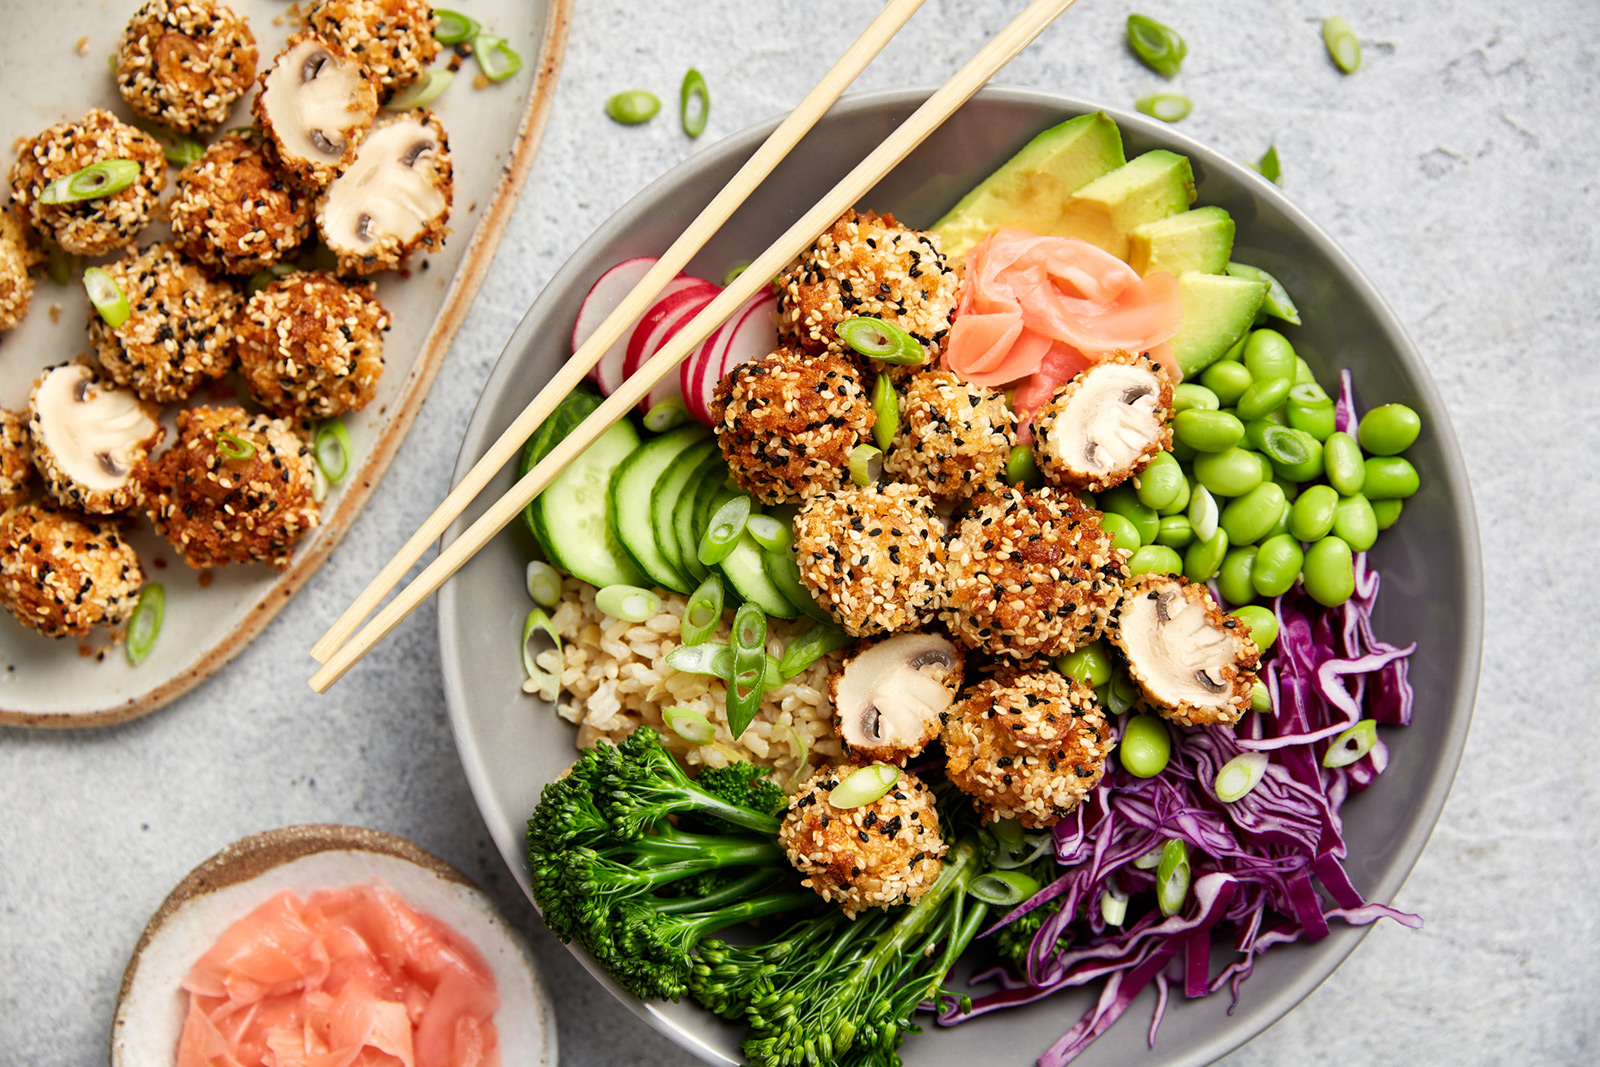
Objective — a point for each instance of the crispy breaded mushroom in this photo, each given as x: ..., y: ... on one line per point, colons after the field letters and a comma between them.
x: 62, y: 574
x: 235, y: 209
x: 177, y: 331
x: 1028, y: 745
x: 891, y: 698
x: 872, y: 856
x: 88, y: 437
x: 233, y: 488
x: 392, y: 39
x: 872, y: 557
x: 182, y: 63
x: 394, y: 197
x: 1193, y: 663
x: 867, y: 266
x: 315, y: 102
x: 102, y: 224
x: 954, y: 437
x: 19, y: 254
x: 787, y: 423
x: 1105, y: 425
x: 16, y: 458
x: 311, y: 346
x: 1030, y: 574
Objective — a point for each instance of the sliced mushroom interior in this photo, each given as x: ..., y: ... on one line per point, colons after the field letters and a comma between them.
x: 389, y: 191
x: 95, y: 434
x: 888, y: 698
x: 314, y: 101
x: 1180, y: 648
x: 1108, y: 420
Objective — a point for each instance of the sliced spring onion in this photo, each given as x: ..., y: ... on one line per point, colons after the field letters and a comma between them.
x: 60, y: 265
x: 633, y: 107
x: 770, y: 533
x: 145, y: 624
x: 1158, y: 46
x: 1284, y: 446
x: 1150, y: 860
x: 1113, y: 906
x: 703, y: 614
x: 749, y: 667
x: 1025, y: 852
x: 1241, y: 774
x: 808, y: 647
x: 454, y: 27
x: 1022, y: 468
x: 690, y: 725
x: 422, y: 92
x: 700, y: 659
x: 1343, y: 46
x: 864, y: 786
x: 882, y: 341
x: 496, y: 58
x: 544, y: 583
x: 1007, y: 833
x: 886, y: 406
x: 537, y: 623
x: 263, y: 278
x: 1172, y: 876
x: 1168, y: 107
x: 866, y: 464
x: 1268, y: 166
x: 724, y: 530
x: 802, y: 751
x: 319, y: 484
x: 627, y: 602
x: 1310, y: 394
x: 733, y: 272
x: 234, y: 447
x: 1004, y: 888
x: 1352, y: 744
x: 106, y: 178
x: 1203, y: 513
x: 1278, y: 302
x: 665, y: 415
x: 694, y: 103
x: 179, y: 150
x: 106, y: 296
x: 1260, y: 699
x: 331, y: 446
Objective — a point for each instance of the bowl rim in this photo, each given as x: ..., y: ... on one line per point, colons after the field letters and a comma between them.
x: 1270, y: 1005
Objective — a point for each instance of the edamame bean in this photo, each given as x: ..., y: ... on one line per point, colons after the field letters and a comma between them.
x: 1176, y: 531
x: 1158, y: 559
x: 1268, y: 354
x: 1311, y: 517
x: 1123, y: 533
x: 1089, y: 665
x: 1228, y: 380
x: 1306, y: 469
x: 1355, y: 523
x: 1389, y: 430
x: 1248, y: 518
x: 1262, y: 622
x: 1204, y: 559
x: 1329, y: 572
x: 1190, y: 396
x: 1146, y: 746
x: 1267, y: 473
x: 1279, y: 527
x: 1264, y: 396
x: 1389, y: 478
x: 1233, y: 579
x: 1180, y: 503
x: 1235, y: 352
x: 1277, y: 565
x: 1161, y: 481
x: 1310, y: 409
x: 1122, y: 500
x: 1231, y: 473
x: 1386, y: 512
x: 1341, y: 460
x: 1206, y: 430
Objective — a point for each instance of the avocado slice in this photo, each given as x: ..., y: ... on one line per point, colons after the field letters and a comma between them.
x: 1029, y: 188
x: 1150, y: 187
x: 1217, y: 310
x: 1200, y: 239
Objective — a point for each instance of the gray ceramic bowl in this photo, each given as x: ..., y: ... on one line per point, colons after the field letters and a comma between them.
x: 511, y: 745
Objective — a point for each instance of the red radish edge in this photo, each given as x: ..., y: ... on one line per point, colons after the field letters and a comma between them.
x: 673, y: 322
x: 748, y: 334
x: 656, y: 326
x: 613, y: 368
x: 603, y: 297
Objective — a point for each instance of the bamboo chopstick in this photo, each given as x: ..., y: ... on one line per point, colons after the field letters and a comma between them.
x: 938, y: 107
x: 772, y: 151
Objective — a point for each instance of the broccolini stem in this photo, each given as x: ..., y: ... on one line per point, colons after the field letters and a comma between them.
x: 734, y: 891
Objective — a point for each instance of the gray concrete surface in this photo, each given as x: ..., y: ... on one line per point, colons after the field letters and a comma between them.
x: 1458, y: 167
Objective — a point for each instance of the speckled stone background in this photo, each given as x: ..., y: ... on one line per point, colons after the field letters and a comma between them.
x: 1459, y: 167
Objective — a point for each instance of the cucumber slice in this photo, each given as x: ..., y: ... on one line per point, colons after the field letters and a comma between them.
x: 783, y: 570
x: 747, y: 575
x: 702, y: 483
x: 570, y: 518
x: 672, y: 487
x: 573, y: 409
x: 632, y: 487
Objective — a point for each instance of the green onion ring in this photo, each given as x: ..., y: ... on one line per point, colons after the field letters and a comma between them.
x: 1113, y: 906
x: 1284, y: 446
x: 234, y: 447
x: 263, y: 278
x: 627, y: 602
x: 332, y: 433
x: 633, y: 107
x: 1168, y: 107
x: 179, y: 150
x: 866, y: 464
x: 1172, y: 876
x: 549, y: 685
x: 802, y: 751
x: 749, y: 667
x: 1236, y: 778
x: 699, y: 658
x: 811, y: 645
x: 319, y: 484
x: 422, y: 92
x: 882, y: 341
x: 690, y: 725
x: 1004, y: 888
x: 1027, y: 850
x: 886, y: 406
x: 1158, y: 46
x: 694, y: 103
x: 770, y: 533
x: 1150, y: 860
x: 1203, y: 513
x: 1310, y: 394
x: 1260, y: 699
x: 106, y: 296
x: 703, y: 614
x: 454, y: 27
x: 106, y: 178
x: 544, y: 583
x: 1352, y: 744
x: 145, y: 624
x: 864, y: 786
x: 1344, y: 48
x: 734, y: 271
x: 496, y: 58
x: 724, y: 530
x: 665, y: 415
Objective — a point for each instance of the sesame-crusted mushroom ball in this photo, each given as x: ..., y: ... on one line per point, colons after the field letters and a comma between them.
x: 867, y: 266
x: 88, y: 438
x: 787, y: 423
x: 102, y: 224
x: 182, y: 63
x: 392, y: 39
x: 235, y: 209
x: 177, y: 331
x: 1106, y: 424
x: 315, y: 102
x: 311, y: 346
x: 62, y: 574
x: 872, y: 557
x: 16, y: 458
x: 1027, y: 745
x: 233, y: 488
x: 954, y: 437
x: 19, y: 253
x: 872, y: 856
x: 1030, y: 574
x: 394, y: 197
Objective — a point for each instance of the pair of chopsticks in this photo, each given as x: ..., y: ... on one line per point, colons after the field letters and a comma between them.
x: 343, y: 646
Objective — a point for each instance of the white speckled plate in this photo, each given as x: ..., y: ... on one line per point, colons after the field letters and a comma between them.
x: 55, y: 69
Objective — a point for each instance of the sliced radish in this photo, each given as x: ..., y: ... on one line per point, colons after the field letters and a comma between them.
x: 748, y: 334
x: 691, y: 370
x: 670, y: 386
x: 664, y: 315
x: 602, y: 299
